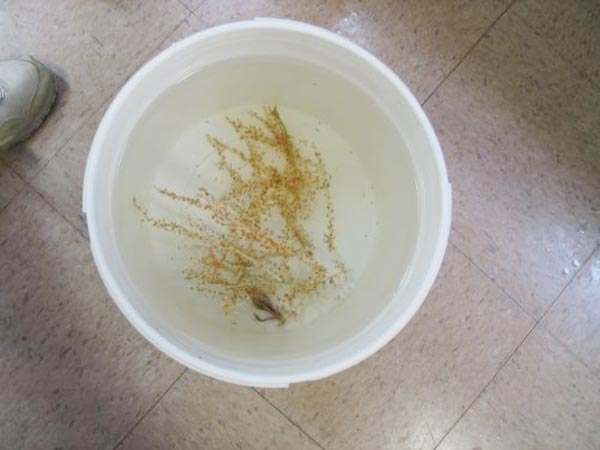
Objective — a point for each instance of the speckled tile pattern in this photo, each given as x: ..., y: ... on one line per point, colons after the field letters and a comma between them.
x: 10, y: 185
x: 198, y: 413
x: 575, y: 318
x: 410, y: 393
x: 542, y: 399
x: 61, y: 180
x: 91, y: 46
x: 75, y: 373
x: 512, y: 90
x: 421, y: 40
x: 572, y: 28
x: 523, y: 156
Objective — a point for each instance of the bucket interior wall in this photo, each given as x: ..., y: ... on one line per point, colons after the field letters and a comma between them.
x: 375, y: 191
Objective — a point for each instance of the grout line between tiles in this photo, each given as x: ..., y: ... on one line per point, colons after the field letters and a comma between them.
x: 143, y: 416
x: 28, y: 185
x: 537, y: 322
x: 166, y: 38
x: 106, y: 99
x: 58, y: 150
x: 594, y: 371
x: 486, y: 386
x: 289, y: 419
x: 85, y: 123
x: 198, y: 7
x: 55, y: 209
x: 430, y: 433
x: 68, y: 141
x: 572, y: 280
x: 182, y: 3
x: 494, y: 282
x: 468, y: 52
x: 575, y: 275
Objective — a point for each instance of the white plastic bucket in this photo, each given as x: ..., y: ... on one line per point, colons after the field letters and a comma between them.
x: 301, y: 67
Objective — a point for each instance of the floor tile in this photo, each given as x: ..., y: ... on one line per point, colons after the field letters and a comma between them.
x: 189, y: 26
x: 420, y: 40
x: 10, y: 184
x: 543, y: 399
x: 199, y: 413
x: 411, y: 392
x: 75, y: 373
x: 521, y: 134
x: 61, y: 181
x: 520, y: 126
x: 575, y: 318
x: 572, y: 28
x: 192, y: 5
x: 92, y: 46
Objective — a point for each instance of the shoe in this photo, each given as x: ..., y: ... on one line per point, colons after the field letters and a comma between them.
x: 27, y: 93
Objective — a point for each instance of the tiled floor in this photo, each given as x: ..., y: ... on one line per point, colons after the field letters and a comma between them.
x: 504, y: 354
